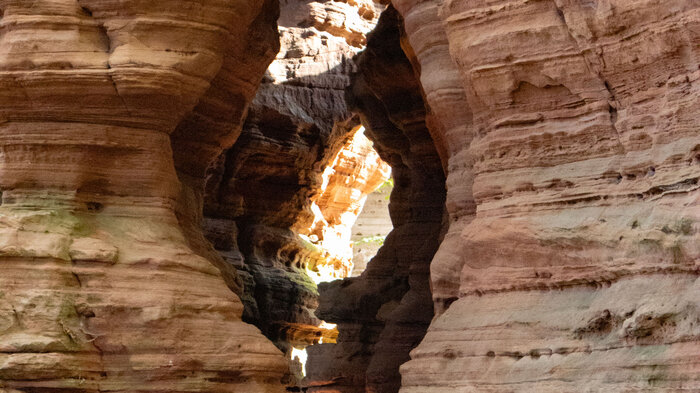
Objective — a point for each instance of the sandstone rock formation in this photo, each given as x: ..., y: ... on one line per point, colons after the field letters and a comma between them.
x: 356, y: 171
x: 162, y: 190
x: 371, y: 228
x: 101, y: 288
x: 384, y: 313
x: 579, y: 269
x: 300, y: 167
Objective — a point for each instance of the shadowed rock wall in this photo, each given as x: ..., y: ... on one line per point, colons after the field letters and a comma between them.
x: 298, y: 168
x: 384, y: 313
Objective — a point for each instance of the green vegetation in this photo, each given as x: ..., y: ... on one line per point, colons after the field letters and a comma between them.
x: 388, y: 185
x: 372, y: 240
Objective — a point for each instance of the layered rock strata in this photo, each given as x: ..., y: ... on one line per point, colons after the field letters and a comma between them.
x: 579, y: 270
x: 100, y: 288
x: 356, y: 171
x: 565, y: 131
x: 384, y: 313
x: 300, y: 167
x: 371, y: 228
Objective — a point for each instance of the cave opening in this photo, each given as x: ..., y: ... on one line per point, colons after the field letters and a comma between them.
x: 339, y: 120
x: 371, y: 227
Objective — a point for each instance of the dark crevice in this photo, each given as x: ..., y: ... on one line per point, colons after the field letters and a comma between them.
x: 258, y: 195
x: 386, y: 93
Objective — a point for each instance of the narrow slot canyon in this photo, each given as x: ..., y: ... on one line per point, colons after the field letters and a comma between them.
x: 349, y: 196
x: 280, y: 204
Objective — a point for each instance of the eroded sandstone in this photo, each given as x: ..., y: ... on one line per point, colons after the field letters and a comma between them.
x: 546, y: 161
x: 100, y: 288
x: 384, y: 313
x: 584, y: 166
x: 280, y: 203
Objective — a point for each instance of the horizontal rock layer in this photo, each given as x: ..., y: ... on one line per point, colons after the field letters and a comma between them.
x: 100, y: 288
x: 578, y: 270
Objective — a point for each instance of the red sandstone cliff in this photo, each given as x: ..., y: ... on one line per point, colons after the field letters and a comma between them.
x: 100, y: 288
x: 546, y: 161
x: 578, y: 270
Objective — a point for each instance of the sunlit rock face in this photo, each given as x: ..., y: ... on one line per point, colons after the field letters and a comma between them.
x: 578, y: 270
x: 371, y: 227
x: 356, y: 171
x: 299, y: 168
x: 100, y: 290
x: 280, y: 267
x: 385, y: 312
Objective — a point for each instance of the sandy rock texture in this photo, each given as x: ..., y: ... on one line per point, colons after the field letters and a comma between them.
x: 371, y: 228
x: 174, y: 173
x: 384, y: 313
x: 100, y: 286
x: 280, y: 203
x: 571, y: 141
x: 356, y: 171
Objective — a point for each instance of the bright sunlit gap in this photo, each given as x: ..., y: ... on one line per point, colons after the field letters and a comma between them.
x: 351, y: 177
x: 301, y: 355
x: 354, y: 173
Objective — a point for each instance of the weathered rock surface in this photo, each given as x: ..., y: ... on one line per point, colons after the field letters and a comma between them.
x: 578, y: 270
x: 546, y: 158
x: 384, y: 313
x: 299, y: 168
x: 371, y: 228
x: 356, y: 171
x: 100, y: 288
